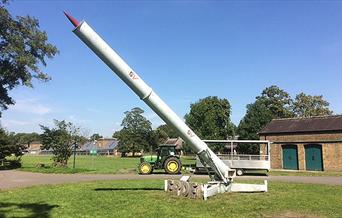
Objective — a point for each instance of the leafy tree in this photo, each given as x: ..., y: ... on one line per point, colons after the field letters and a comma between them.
x: 277, y: 101
x: 274, y: 103
x: 24, y: 49
x: 5, y: 144
x: 136, y: 134
x: 271, y: 104
x: 310, y: 105
x: 169, y: 131
x: 257, y: 116
x: 159, y: 136
x: 61, y: 140
x: 9, y: 146
x: 25, y: 139
x: 209, y: 118
x: 95, y: 136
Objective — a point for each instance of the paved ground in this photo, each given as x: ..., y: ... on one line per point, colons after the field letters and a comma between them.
x: 10, y: 179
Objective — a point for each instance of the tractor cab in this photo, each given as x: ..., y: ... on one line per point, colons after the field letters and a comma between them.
x: 164, y: 151
x: 166, y: 159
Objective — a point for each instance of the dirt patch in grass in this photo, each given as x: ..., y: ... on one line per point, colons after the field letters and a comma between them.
x: 291, y: 214
x: 127, y: 171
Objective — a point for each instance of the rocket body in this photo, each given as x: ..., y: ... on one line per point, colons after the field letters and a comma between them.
x: 121, y: 69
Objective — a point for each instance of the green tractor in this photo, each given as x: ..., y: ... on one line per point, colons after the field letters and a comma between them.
x: 166, y: 159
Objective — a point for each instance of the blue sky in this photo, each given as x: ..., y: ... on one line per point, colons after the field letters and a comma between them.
x: 185, y: 50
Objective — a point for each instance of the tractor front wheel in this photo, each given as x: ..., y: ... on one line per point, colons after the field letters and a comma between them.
x: 145, y: 168
x: 172, y: 165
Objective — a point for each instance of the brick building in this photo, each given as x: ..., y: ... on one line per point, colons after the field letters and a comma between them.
x: 34, y: 147
x: 305, y: 143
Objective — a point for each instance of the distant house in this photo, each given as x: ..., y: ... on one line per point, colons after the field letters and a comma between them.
x: 305, y: 143
x: 178, y: 142
x: 34, y: 147
x: 107, y: 146
x: 103, y: 146
x: 86, y: 148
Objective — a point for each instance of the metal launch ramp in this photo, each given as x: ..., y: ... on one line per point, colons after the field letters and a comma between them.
x: 222, y: 179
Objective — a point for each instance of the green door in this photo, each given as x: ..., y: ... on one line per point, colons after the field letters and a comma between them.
x: 290, y: 157
x: 313, y: 157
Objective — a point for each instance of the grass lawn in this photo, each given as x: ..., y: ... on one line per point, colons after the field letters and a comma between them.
x: 109, y: 164
x: 87, y: 164
x: 84, y: 164
x: 303, y: 173
x: 147, y: 199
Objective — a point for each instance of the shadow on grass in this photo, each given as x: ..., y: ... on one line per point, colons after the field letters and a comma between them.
x: 163, y: 173
x: 30, y: 210
x: 245, y: 174
x: 9, y: 164
x: 128, y: 189
x: 255, y: 174
x: 60, y: 170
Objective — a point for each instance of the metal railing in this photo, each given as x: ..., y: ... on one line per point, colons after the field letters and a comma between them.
x: 243, y: 157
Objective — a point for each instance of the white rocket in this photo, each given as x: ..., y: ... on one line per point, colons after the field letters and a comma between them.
x: 119, y: 67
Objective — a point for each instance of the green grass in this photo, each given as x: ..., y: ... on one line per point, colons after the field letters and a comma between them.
x: 303, y: 173
x: 87, y: 164
x: 147, y: 199
x: 84, y: 164
x: 112, y: 165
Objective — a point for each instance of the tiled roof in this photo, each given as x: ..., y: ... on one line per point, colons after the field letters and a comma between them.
x: 313, y: 124
x: 175, y: 141
x: 104, y: 145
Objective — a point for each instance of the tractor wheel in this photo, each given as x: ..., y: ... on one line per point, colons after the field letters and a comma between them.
x: 172, y: 165
x: 145, y: 168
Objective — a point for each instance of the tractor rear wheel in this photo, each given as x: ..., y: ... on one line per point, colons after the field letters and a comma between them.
x: 145, y: 168
x: 172, y: 165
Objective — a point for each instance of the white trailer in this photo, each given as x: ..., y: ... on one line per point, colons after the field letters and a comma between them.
x: 240, y: 162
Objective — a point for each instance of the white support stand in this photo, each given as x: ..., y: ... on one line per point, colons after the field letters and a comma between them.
x: 240, y: 187
x: 192, y: 190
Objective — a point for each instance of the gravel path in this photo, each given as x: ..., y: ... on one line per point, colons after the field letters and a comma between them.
x: 10, y: 179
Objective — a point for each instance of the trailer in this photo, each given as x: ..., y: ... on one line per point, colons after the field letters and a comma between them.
x: 240, y: 162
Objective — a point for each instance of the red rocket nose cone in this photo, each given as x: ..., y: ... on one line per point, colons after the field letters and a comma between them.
x: 72, y: 20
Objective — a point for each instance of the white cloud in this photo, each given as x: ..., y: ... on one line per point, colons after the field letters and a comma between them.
x: 31, y: 106
x: 72, y: 118
x: 14, y: 123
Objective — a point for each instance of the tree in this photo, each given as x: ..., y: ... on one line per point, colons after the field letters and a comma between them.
x: 25, y: 139
x: 257, y: 116
x: 61, y: 140
x: 169, y: 131
x: 95, y: 136
x: 209, y: 118
x: 162, y: 133
x: 9, y: 146
x: 310, y: 105
x: 136, y: 134
x: 277, y: 101
x: 160, y: 136
x: 24, y: 48
x: 5, y: 147
x: 271, y: 104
